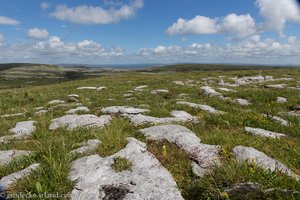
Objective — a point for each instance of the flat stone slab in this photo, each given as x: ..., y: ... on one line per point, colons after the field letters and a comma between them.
x: 7, y: 156
x: 280, y: 120
x: 22, y: 130
x: 25, y: 128
x: 177, y: 116
x: 140, y: 88
x: 242, y: 102
x: 250, y: 155
x: 87, y: 88
x: 159, y: 91
x: 56, y: 102
x: 201, y: 107
x: 178, y: 83
x: 281, y: 100
x: 9, y: 180
x: 226, y: 90
x: 78, y: 109
x: 276, y: 86
x: 210, y: 92
x: 204, y: 155
x: 95, y: 179
x: 71, y: 122
x: 13, y: 115
x: 123, y: 110
x: 74, y: 95
x: 264, y: 133
x: 88, y: 146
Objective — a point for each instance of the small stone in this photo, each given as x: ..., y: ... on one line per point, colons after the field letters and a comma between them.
x: 264, y: 133
x: 202, y: 107
x: 242, y: 102
x: 7, y: 156
x: 82, y: 109
x: 56, y: 102
x: 87, y: 88
x: 13, y: 115
x: 210, y: 92
x: 74, y: 95
x: 9, y: 180
x: 101, y: 88
x: 251, y: 155
x: 281, y: 100
x: 276, y: 86
x: 227, y: 90
x: 159, y: 91
x: 88, y: 146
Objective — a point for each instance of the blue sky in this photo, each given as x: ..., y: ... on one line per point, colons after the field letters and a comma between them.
x: 150, y: 31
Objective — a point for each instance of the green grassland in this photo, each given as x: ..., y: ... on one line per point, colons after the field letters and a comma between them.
x: 52, y: 147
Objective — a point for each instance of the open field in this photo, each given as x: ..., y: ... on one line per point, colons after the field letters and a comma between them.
x: 51, y: 148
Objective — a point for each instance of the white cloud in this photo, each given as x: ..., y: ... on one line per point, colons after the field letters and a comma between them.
x: 1, y: 38
x: 277, y: 13
x: 95, y: 14
x: 37, y: 33
x: 252, y: 50
x: 239, y: 25
x: 197, y: 25
x: 44, y: 5
x: 8, y: 21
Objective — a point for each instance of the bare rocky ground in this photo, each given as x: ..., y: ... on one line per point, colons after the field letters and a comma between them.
x: 184, y: 135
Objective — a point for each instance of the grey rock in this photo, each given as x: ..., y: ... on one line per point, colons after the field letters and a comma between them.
x: 71, y: 122
x: 210, y: 92
x: 280, y: 120
x: 242, y: 102
x: 88, y: 146
x: 74, y: 95
x: 78, y: 109
x: 264, y: 133
x: 8, y: 180
x: 148, y: 179
x: 140, y: 88
x: 22, y: 130
x: 201, y: 107
x: 25, y: 128
x: 276, y: 86
x: 39, y: 108
x: 281, y: 100
x: 250, y: 155
x: 226, y: 90
x: 56, y: 102
x: 41, y: 112
x: 100, y: 88
x: 7, y: 156
x: 206, y: 156
x: 159, y: 91
x: 123, y: 110
x: 13, y: 115
x: 179, y: 83
x: 87, y: 88
x: 178, y: 116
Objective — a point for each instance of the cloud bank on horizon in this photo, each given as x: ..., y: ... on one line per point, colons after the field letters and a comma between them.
x: 134, y: 31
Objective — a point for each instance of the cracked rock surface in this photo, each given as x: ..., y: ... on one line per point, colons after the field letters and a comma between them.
x: 71, y: 122
x: 264, y: 133
x: 250, y: 155
x: 147, y: 178
x: 204, y: 155
x: 7, y: 156
x: 201, y: 107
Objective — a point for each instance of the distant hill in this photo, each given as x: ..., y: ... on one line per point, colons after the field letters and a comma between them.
x: 212, y: 67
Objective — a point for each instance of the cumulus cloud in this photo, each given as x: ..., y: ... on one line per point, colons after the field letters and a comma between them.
x: 37, y: 33
x: 277, y: 13
x: 239, y: 25
x: 44, y: 5
x: 253, y: 50
x: 197, y: 25
x: 95, y: 14
x: 8, y: 21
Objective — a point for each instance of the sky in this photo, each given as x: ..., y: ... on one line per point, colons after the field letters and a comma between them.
x: 150, y: 31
